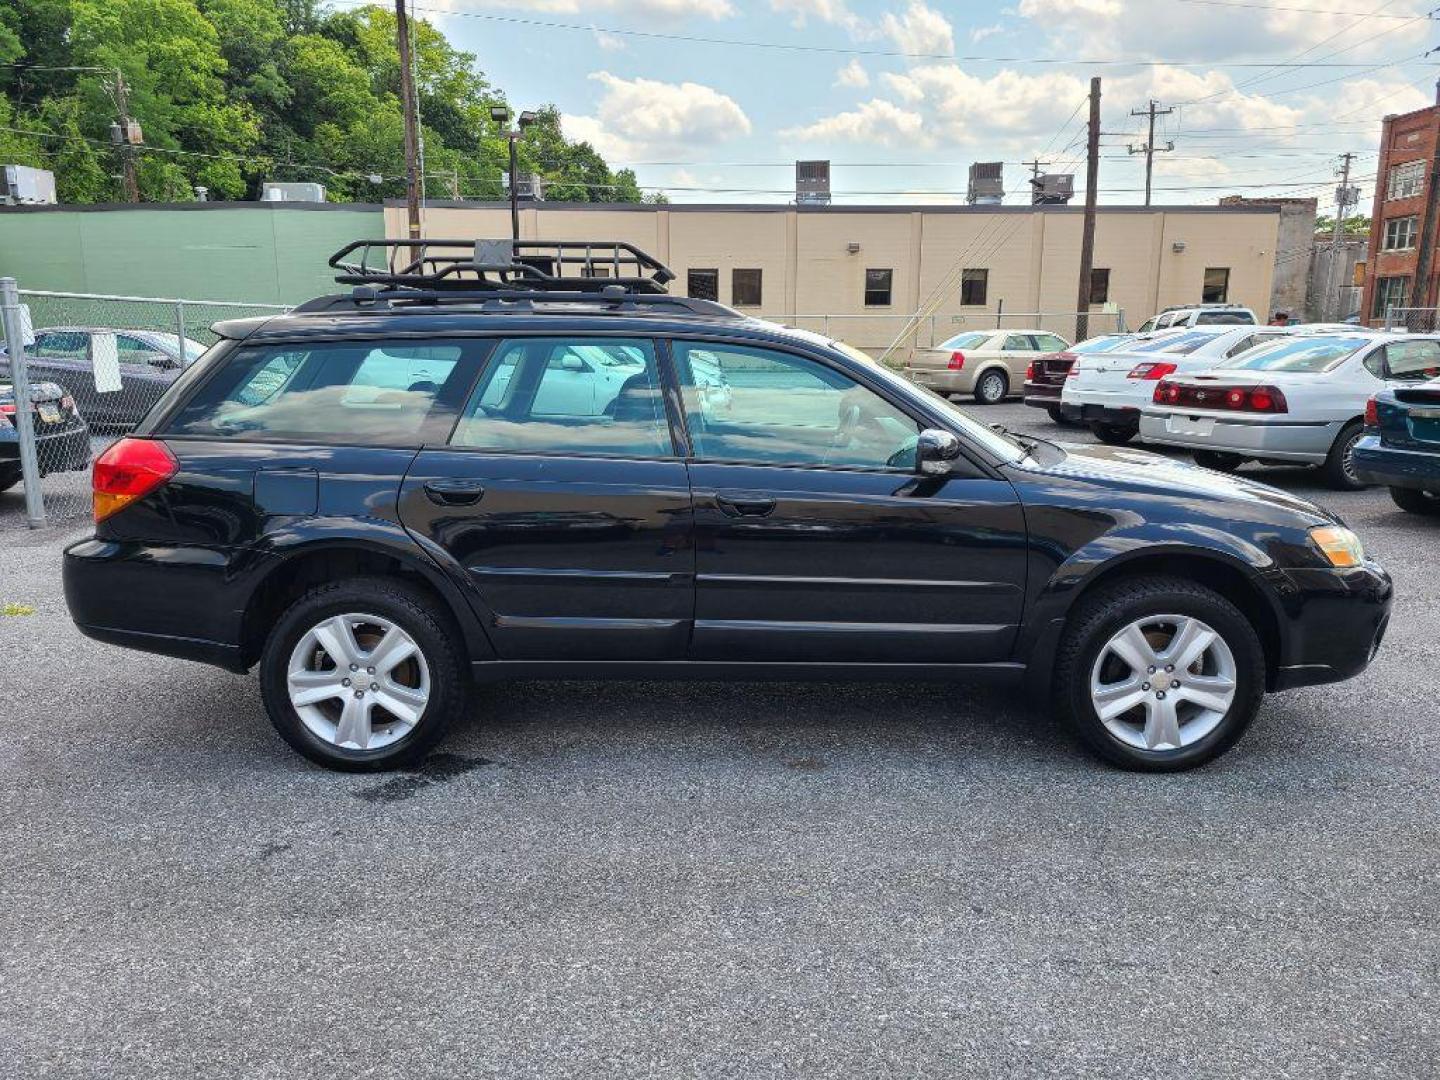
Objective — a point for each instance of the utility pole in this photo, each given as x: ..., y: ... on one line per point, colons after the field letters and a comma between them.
x: 1342, y: 200
x: 412, y: 139
x: 1148, y: 147
x: 122, y: 137
x: 1035, y: 165
x: 1087, y: 235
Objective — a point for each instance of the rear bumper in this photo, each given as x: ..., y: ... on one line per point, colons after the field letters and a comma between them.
x: 1250, y: 438
x: 60, y: 451
x: 1042, y: 395
x: 1086, y: 413
x: 1393, y: 467
x: 942, y: 382
x: 1335, y: 621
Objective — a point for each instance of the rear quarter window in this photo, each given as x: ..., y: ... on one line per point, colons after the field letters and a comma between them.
x: 381, y: 393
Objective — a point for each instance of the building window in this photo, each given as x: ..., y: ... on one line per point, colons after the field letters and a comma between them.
x: 1405, y: 180
x: 877, y: 287
x: 1099, y: 286
x: 1390, y: 292
x: 1217, y: 285
x: 1400, y: 233
x: 972, y: 287
x: 745, y: 288
x: 703, y: 284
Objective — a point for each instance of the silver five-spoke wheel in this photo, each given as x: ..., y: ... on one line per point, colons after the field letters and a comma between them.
x: 1164, y: 682
x: 359, y: 682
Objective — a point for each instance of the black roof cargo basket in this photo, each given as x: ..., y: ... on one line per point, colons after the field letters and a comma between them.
x: 475, y: 266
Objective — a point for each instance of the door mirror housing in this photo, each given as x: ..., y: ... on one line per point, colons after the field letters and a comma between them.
x: 571, y: 363
x: 161, y: 360
x: 935, y: 451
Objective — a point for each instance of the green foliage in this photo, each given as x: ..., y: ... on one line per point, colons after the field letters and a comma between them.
x: 1354, y: 226
x: 230, y: 93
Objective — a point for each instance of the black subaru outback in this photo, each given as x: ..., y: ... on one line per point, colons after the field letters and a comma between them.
x: 494, y: 460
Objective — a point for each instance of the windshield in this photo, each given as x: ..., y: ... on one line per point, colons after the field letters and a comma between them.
x: 1308, y: 354
x: 1100, y: 344
x: 1175, y: 343
x: 967, y: 340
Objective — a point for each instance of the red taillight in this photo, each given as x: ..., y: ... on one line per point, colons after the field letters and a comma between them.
x: 7, y: 408
x: 1151, y: 371
x: 1372, y: 413
x: 957, y: 361
x: 129, y: 470
x: 1030, y: 371
x: 1265, y: 399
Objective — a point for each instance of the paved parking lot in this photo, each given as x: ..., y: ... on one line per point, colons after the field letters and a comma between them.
x: 708, y: 880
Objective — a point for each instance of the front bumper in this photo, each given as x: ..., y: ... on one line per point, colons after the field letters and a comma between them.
x: 1393, y: 467
x: 1270, y: 440
x: 57, y: 451
x: 1334, y: 622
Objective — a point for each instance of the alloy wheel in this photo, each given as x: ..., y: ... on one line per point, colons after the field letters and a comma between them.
x: 1163, y: 682
x: 358, y: 682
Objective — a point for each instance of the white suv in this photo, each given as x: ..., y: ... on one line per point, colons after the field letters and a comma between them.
x: 1175, y: 318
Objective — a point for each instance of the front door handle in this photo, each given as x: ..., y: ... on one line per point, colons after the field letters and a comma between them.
x: 454, y: 491
x: 736, y: 505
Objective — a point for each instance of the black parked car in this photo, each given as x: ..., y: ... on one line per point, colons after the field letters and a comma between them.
x: 381, y: 495
x: 62, y: 438
x: 1401, y: 446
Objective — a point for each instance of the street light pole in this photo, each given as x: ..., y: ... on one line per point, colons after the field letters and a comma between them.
x: 514, y: 192
x: 501, y: 115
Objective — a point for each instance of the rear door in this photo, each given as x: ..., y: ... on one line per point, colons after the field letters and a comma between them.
x: 1017, y: 350
x: 561, y: 495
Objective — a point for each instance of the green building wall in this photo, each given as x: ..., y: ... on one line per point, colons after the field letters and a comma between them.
x: 259, y: 253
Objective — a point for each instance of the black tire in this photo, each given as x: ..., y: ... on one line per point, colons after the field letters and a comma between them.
x: 9, y: 478
x: 992, y: 387
x: 1339, y: 467
x: 1113, y: 434
x: 1057, y: 416
x: 1415, y: 501
x: 1099, y: 617
x: 1214, y: 459
x: 414, y: 612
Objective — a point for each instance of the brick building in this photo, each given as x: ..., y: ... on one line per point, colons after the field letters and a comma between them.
x: 1403, y: 232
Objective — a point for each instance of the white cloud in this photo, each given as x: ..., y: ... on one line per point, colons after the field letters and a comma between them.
x: 853, y: 75
x: 876, y: 121
x: 835, y: 12
x: 920, y: 30
x: 980, y: 33
x: 609, y: 42
x: 634, y: 116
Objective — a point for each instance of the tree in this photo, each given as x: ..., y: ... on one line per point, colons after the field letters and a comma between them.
x: 1354, y: 226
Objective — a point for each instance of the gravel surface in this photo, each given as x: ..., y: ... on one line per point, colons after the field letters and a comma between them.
x: 663, y: 880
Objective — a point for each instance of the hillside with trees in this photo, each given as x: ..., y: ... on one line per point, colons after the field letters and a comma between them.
x: 231, y: 93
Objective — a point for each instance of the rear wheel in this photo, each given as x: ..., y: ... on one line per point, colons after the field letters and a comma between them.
x: 1415, y: 501
x: 9, y: 478
x: 1159, y: 674
x: 1113, y: 434
x: 1213, y: 459
x: 992, y: 387
x: 363, y: 675
x: 1057, y: 416
x: 1339, y: 467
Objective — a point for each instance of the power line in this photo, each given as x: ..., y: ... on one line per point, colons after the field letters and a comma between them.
x: 1376, y: 14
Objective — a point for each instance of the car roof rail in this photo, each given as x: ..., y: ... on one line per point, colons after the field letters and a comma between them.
x: 612, y: 301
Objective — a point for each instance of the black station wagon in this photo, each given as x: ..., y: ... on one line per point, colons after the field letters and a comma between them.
x: 499, y: 460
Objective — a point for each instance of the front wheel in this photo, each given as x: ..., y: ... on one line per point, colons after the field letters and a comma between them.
x: 1113, y: 434
x: 992, y: 387
x: 1415, y: 501
x: 363, y: 675
x: 1158, y: 674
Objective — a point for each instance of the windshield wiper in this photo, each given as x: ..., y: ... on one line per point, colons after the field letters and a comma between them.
x: 1028, y: 442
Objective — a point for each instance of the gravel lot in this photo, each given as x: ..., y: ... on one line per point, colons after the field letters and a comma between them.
x: 708, y: 880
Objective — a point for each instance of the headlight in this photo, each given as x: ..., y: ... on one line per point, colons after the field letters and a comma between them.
x: 1340, y: 546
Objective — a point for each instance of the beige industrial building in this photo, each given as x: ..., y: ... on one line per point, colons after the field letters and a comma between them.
x: 860, y: 271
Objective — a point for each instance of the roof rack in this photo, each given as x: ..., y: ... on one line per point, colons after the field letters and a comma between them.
x: 474, y: 266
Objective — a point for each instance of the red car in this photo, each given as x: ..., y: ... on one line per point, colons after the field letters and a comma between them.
x: 1045, y: 377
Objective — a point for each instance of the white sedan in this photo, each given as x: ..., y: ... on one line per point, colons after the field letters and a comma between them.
x: 1300, y: 400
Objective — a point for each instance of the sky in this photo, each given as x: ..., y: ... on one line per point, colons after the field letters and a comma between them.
x: 713, y: 100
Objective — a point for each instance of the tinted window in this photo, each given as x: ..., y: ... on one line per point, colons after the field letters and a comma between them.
x: 782, y: 409
x: 1418, y: 360
x: 392, y: 393
x: 1224, y: 318
x: 569, y: 395
x: 1300, y: 354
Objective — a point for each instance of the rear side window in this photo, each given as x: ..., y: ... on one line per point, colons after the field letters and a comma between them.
x: 385, y: 393
x: 1413, y: 360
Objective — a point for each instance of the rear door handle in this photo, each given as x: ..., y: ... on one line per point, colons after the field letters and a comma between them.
x: 737, y: 505
x: 454, y: 491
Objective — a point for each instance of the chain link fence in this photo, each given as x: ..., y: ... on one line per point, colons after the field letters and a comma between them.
x: 93, y: 365
x: 1417, y: 320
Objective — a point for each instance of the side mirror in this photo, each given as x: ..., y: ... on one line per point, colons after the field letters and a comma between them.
x: 935, y: 451
x: 162, y: 361
x: 572, y: 363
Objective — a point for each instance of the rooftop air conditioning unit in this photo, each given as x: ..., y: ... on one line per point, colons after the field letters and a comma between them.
x: 23, y: 186
x: 278, y: 192
x: 1053, y: 189
x: 987, y: 184
x: 812, y: 183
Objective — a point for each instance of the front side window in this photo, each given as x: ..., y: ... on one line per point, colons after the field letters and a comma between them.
x: 1216, y: 289
x: 568, y: 395
x: 1405, y: 180
x: 1400, y: 233
x: 703, y: 284
x: 877, y: 287
x: 783, y: 409
x: 388, y: 393
x: 1413, y: 360
x: 973, y: 286
x: 745, y: 288
x: 1099, y: 286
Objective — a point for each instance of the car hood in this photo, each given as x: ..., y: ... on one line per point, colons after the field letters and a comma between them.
x: 1117, y: 467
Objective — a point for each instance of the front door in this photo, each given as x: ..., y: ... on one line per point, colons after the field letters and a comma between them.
x: 816, y: 540
x: 562, y: 497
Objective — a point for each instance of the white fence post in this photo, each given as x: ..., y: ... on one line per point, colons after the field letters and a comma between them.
x: 20, y: 387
